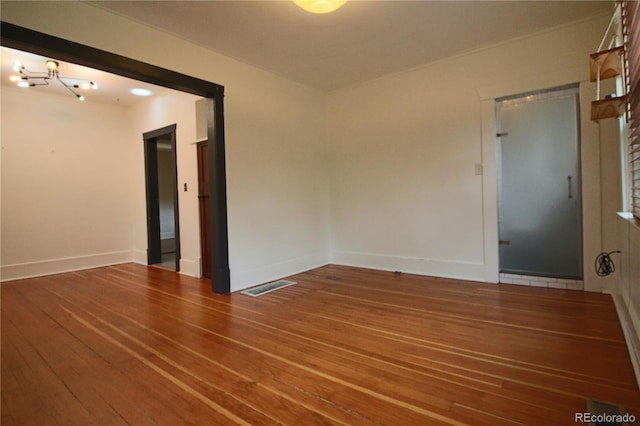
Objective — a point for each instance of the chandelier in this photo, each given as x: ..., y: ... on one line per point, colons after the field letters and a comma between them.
x: 26, y: 78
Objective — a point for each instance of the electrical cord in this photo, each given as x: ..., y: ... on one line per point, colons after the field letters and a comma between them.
x: 604, y: 264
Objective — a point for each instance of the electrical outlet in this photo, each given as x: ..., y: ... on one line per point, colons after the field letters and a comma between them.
x: 478, y: 169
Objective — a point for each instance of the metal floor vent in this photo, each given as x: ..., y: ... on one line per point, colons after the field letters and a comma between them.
x: 604, y: 413
x: 267, y: 288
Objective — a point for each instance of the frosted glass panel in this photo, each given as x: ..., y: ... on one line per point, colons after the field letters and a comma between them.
x: 539, y: 185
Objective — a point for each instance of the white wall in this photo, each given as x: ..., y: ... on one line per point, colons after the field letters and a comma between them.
x: 276, y: 159
x: 404, y: 148
x: 627, y: 291
x: 611, y: 192
x: 630, y: 266
x: 66, y: 195
x: 277, y: 181
x: 400, y: 158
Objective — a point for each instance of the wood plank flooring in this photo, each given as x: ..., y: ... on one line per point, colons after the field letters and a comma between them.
x: 131, y: 345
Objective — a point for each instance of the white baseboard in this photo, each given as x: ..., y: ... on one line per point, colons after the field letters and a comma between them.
x: 57, y: 266
x: 248, y: 278
x: 634, y: 334
x: 190, y: 267
x: 630, y: 322
x: 430, y: 267
x: 139, y: 256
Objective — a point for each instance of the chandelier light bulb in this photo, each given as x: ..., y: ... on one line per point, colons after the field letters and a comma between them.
x: 15, y: 78
x: 52, y: 65
x: 23, y: 83
x: 320, y: 6
x: 17, y: 66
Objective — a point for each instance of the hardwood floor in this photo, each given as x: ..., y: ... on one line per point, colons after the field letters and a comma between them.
x: 131, y: 345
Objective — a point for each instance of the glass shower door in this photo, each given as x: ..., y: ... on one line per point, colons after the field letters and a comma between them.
x: 539, y: 185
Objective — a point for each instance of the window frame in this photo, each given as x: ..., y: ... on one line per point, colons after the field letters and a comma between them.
x: 631, y: 41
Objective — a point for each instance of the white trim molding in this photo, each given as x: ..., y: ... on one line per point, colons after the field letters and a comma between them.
x: 69, y: 264
x: 630, y: 322
x: 471, y: 271
x: 190, y: 267
x: 248, y: 278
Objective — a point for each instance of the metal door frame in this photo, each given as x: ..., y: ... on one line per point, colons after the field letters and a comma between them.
x: 579, y: 225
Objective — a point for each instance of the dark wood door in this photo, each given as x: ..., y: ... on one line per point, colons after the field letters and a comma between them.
x: 203, y: 201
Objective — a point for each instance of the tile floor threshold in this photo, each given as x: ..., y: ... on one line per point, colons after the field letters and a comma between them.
x: 548, y: 282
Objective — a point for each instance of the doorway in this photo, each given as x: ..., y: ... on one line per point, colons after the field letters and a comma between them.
x: 28, y: 40
x: 163, y: 227
x: 539, y: 192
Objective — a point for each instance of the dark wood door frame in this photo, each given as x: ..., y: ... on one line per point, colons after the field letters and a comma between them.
x: 203, y: 207
x: 152, y: 180
x: 21, y: 38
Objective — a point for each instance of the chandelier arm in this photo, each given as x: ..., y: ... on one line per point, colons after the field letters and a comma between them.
x: 45, y: 81
x: 80, y: 80
x: 69, y: 88
x: 33, y: 74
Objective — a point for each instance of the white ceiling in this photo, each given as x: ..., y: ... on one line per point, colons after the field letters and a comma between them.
x: 112, y: 89
x: 361, y: 41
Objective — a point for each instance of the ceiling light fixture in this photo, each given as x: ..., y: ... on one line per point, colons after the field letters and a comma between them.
x: 320, y: 6
x: 26, y: 78
x: 141, y: 92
